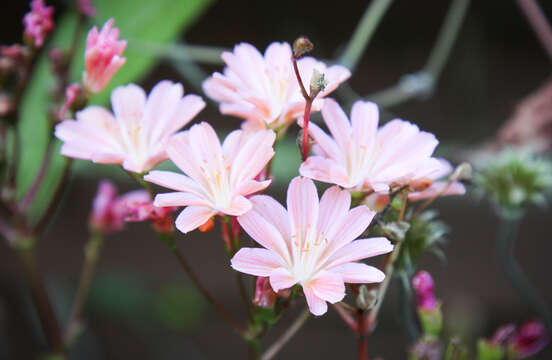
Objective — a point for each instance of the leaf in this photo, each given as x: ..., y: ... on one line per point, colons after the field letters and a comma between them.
x: 138, y: 20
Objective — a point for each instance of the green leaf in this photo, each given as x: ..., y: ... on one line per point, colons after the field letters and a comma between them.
x: 138, y: 20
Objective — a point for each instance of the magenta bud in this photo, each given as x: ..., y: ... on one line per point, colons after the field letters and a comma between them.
x: 265, y: 297
x: 423, y: 286
x: 38, y: 23
x: 104, y: 218
x: 86, y: 8
x: 530, y: 339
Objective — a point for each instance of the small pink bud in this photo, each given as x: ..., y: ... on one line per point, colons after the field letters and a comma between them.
x: 137, y: 206
x: 38, y: 22
x: 423, y: 286
x: 102, y: 57
x: 265, y: 297
x: 72, y: 94
x: 104, y: 217
x: 86, y: 8
x: 530, y: 339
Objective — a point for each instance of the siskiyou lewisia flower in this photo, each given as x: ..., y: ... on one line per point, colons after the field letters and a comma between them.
x: 310, y: 243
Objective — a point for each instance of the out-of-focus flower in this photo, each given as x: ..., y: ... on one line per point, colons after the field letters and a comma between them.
x: 429, y: 309
x: 265, y: 297
x: 140, y: 209
x: 513, y: 179
x: 102, y: 57
x: 263, y: 90
x: 311, y: 243
x: 217, y: 177
x: 361, y: 157
x: 423, y: 286
x: 38, y: 22
x: 86, y: 8
x: 426, y: 349
x: 135, y: 136
x: 528, y: 340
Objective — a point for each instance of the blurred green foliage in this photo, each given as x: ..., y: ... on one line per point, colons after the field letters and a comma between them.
x: 141, y: 20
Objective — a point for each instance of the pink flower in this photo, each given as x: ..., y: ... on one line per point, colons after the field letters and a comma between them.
x: 528, y: 340
x: 102, y: 57
x: 137, y: 209
x: 38, y: 22
x: 135, y: 136
x: 265, y: 297
x: 263, y: 90
x: 310, y: 243
x: 217, y: 177
x: 423, y: 286
x: 362, y: 157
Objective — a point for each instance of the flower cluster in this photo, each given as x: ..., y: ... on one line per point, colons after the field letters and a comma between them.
x: 314, y: 242
x: 38, y: 22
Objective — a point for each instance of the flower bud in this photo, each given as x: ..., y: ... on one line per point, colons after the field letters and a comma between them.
x: 38, y: 23
x: 301, y: 46
x: 103, y: 217
x: 366, y: 299
x: 425, y: 349
x: 74, y: 99
x: 137, y: 206
x: 317, y: 84
x: 102, y: 57
x: 207, y: 226
x: 530, y: 339
x: 396, y: 231
x: 86, y: 8
x: 429, y: 309
x: 462, y: 172
x: 265, y: 297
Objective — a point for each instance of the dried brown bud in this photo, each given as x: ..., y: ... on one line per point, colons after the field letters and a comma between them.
x: 301, y: 46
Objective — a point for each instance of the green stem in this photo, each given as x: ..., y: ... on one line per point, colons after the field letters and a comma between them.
x: 169, y: 240
x: 508, y: 231
x: 363, y: 33
x: 91, y: 256
x: 46, y: 313
x: 405, y: 303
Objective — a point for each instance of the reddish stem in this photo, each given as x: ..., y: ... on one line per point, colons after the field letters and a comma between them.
x: 362, y: 336
x: 298, y: 76
x: 306, y: 117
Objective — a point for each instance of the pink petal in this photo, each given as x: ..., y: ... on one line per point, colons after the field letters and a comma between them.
x: 325, y: 170
x: 258, y: 262
x: 334, y: 206
x: 439, y: 188
x: 328, y: 286
x: 179, y: 199
x: 281, y: 278
x: 317, y: 306
x: 263, y: 232
x: 192, y: 217
x: 358, y: 273
x: 326, y: 143
x: 239, y: 206
x: 358, y: 250
x: 252, y: 186
x: 128, y: 104
x: 302, y: 205
x: 252, y: 157
x: 174, y: 181
x: 337, y: 122
x: 364, y: 119
x: 273, y: 212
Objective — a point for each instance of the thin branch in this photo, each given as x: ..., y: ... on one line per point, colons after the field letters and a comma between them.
x: 536, y: 18
x: 422, y: 82
x: 363, y: 33
x: 287, y: 335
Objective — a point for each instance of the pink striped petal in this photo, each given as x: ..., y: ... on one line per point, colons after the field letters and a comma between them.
x: 258, y: 262
x: 281, y: 278
x: 302, y: 205
x: 179, y: 199
x: 326, y: 170
x: 249, y: 187
x: 337, y: 122
x: 174, y: 181
x: 358, y: 273
x: 364, y: 119
x: 239, y: 206
x: 328, y: 286
x: 317, y: 306
x: 358, y: 250
x: 193, y: 217
x: 274, y: 213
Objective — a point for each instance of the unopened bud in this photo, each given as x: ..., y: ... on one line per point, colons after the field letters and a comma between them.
x: 529, y: 340
x: 207, y: 226
x: 75, y: 99
x: 396, y: 231
x: 421, y: 184
x: 318, y: 83
x: 366, y: 299
x: 462, y: 172
x: 265, y: 297
x: 301, y: 46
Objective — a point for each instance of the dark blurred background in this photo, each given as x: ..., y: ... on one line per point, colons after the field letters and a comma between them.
x: 142, y: 305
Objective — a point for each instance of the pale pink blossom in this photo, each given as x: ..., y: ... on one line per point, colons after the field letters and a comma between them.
x: 136, y: 134
x: 310, y: 243
x: 218, y: 178
x: 102, y: 57
x: 263, y: 90
x: 363, y: 157
x: 38, y: 22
